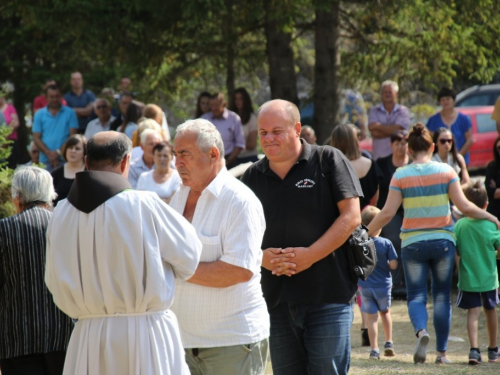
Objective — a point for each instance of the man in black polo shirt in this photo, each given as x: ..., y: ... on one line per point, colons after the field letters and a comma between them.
x: 310, y: 211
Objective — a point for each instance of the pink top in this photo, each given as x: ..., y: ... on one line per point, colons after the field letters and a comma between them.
x: 8, y: 112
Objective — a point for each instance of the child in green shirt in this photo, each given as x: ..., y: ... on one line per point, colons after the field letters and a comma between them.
x: 477, y: 242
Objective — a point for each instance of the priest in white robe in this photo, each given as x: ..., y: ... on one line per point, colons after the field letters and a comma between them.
x: 113, y: 255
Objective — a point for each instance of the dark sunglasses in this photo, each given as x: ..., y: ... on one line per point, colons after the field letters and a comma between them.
x: 102, y: 106
x: 444, y: 141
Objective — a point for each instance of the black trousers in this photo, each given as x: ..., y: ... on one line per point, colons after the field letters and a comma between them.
x: 34, y: 364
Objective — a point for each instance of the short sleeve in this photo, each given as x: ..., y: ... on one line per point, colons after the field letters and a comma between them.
x: 37, y: 123
x: 452, y: 176
x: 465, y: 124
x: 73, y: 120
x: 344, y: 180
x: 372, y: 117
x: 496, y: 236
x: 404, y: 118
x: 243, y: 236
x: 496, y: 111
x: 395, y: 184
x: 433, y: 123
x: 11, y: 109
x: 392, y: 255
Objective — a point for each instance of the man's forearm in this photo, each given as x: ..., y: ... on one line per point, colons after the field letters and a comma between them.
x: 387, y: 130
x: 219, y: 274
x: 83, y: 112
x: 465, y: 148
x: 41, y: 145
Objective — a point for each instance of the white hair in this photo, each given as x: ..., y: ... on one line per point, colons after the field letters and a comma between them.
x: 147, y: 132
x: 207, y: 134
x: 393, y: 84
x: 32, y: 184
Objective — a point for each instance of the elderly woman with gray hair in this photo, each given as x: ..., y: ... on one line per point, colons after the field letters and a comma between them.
x: 34, y: 333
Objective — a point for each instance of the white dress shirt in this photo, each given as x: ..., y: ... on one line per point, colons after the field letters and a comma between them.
x: 229, y: 221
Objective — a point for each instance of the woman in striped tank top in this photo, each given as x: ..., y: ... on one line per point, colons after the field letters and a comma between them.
x: 428, y: 243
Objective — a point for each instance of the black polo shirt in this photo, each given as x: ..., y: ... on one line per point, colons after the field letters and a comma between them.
x: 299, y: 209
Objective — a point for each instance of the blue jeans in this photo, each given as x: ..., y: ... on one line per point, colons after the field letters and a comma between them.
x: 311, y: 338
x: 438, y: 256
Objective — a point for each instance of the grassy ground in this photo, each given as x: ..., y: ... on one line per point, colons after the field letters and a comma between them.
x: 404, y: 343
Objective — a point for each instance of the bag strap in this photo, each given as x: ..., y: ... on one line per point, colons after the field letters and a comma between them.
x: 326, y: 174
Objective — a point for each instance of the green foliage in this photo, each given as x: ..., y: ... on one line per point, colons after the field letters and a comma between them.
x: 6, y: 207
x: 174, y: 49
x: 4, y: 144
x: 421, y: 42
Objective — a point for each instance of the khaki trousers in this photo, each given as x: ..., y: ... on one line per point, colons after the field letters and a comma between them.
x: 248, y: 359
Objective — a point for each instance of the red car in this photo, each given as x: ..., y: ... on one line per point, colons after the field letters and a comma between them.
x: 484, y: 132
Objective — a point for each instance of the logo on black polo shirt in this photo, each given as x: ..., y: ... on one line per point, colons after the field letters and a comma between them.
x: 305, y: 183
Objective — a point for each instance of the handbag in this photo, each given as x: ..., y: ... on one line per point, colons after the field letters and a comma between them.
x: 361, y: 252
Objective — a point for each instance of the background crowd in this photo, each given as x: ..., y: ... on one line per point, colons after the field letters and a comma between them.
x: 416, y: 216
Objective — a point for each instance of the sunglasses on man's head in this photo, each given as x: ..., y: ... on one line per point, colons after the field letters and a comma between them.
x: 444, y: 141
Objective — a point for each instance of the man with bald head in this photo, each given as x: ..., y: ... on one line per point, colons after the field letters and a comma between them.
x: 113, y: 255
x: 310, y: 196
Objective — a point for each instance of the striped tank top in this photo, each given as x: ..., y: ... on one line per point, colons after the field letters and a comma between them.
x: 424, y: 188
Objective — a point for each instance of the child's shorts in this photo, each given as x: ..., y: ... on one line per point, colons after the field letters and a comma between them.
x: 375, y: 299
x: 470, y: 300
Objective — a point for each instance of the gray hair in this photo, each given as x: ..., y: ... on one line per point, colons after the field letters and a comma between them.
x: 207, y: 134
x: 98, y: 100
x: 110, y: 153
x: 393, y: 84
x: 147, y: 132
x: 32, y: 185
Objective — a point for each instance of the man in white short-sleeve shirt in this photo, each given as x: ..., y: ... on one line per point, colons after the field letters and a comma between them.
x: 221, y: 310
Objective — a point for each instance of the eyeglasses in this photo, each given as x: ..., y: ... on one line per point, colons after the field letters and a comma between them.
x: 444, y: 141
x: 101, y: 107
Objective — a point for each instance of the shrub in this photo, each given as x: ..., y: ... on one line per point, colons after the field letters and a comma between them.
x: 6, y: 206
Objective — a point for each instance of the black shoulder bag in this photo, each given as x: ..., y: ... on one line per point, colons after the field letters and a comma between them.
x: 362, y: 255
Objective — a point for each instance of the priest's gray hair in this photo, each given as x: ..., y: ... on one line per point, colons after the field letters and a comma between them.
x: 109, y: 153
x: 393, y: 84
x: 207, y: 134
x: 32, y: 185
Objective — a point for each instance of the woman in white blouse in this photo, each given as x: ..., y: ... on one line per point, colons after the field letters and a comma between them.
x: 242, y: 105
x: 162, y: 179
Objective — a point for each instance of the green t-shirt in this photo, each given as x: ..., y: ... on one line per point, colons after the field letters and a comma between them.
x: 477, y: 241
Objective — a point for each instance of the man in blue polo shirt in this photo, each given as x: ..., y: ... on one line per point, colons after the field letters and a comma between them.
x: 52, y: 126
x: 80, y: 100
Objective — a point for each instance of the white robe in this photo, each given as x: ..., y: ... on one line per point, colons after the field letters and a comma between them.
x: 121, y: 258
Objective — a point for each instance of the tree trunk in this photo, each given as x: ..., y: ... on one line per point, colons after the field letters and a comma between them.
x: 229, y: 50
x: 326, y: 71
x: 282, y: 77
